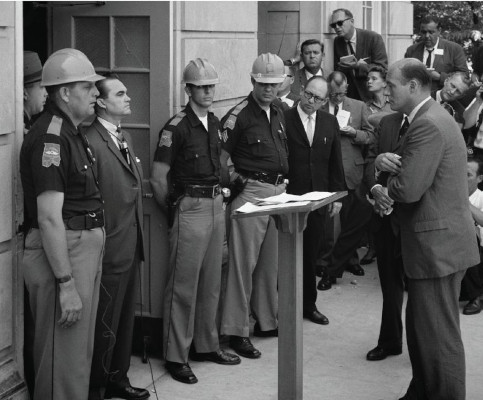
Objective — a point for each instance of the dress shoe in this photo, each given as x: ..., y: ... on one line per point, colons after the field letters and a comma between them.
x: 369, y: 257
x: 473, y: 307
x: 244, y: 347
x: 326, y: 282
x: 126, y: 392
x: 379, y: 353
x: 259, y: 333
x: 219, y: 357
x: 181, y: 372
x: 316, y: 317
x: 356, y: 270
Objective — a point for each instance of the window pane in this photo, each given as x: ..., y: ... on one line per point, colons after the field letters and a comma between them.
x: 131, y: 35
x: 92, y: 38
x: 138, y: 90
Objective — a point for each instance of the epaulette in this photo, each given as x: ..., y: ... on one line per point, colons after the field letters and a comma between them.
x: 55, y: 126
x: 177, y: 118
x: 231, y: 120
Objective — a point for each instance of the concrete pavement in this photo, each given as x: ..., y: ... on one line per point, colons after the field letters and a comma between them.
x: 335, y: 367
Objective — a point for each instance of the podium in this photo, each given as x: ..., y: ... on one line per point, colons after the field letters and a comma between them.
x: 291, y: 222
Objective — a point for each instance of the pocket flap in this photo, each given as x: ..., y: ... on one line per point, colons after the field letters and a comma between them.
x: 253, y: 139
x: 432, y: 225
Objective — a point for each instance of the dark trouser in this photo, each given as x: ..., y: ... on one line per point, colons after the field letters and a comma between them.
x: 391, y: 276
x: 114, y: 330
x: 472, y: 283
x: 434, y: 339
x: 312, y: 241
x: 355, y: 214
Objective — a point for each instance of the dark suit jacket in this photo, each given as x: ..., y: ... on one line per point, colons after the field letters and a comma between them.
x: 353, y: 148
x: 452, y: 60
x: 121, y: 191
x: 368, y: 44
x: 431, y: 191
x: 300, y: 81
x: 284, y: 106
x: 317, y: 167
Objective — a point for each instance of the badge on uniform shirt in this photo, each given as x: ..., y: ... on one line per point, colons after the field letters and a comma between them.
x: 223, y: 135
x: 51, y: 155
x: 230, y: 122
x: 166, y: 139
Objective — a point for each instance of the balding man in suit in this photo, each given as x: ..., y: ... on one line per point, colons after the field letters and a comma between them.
x: 437, y: 231
x: 315, y: 164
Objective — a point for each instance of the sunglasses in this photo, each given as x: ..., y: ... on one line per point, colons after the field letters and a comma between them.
x: 338, y: 23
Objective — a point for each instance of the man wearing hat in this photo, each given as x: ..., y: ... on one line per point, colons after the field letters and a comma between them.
x: 34, y: 95
x: 189, y: 150
x: 64, y: 245
x: 254, y: 135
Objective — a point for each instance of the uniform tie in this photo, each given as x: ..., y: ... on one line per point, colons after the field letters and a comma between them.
x: 404, y: 128
x: 310, y: 129
x: 428, y: 60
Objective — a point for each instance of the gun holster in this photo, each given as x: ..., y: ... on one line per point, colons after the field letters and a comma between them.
x: 236, y: 187
x: 174, y: 198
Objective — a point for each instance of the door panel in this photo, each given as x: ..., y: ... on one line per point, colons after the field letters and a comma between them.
x: 131, y: 39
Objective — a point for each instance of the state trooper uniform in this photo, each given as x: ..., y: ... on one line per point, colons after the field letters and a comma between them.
x: 258, y: 148
x: 56, y: 157
x: 197, y: 232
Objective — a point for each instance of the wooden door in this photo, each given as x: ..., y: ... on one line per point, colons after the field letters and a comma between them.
x: 131, y: 39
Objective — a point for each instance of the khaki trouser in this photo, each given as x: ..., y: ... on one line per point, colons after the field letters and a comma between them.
x: 253, y: 266
x: 62, y: 356
x: 193, y: 286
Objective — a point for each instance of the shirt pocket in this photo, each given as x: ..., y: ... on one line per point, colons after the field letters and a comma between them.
x: 84, y: 179
x: 195, y: 161
x: 257, y: 144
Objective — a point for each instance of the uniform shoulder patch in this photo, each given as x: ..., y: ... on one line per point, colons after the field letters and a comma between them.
x: 55, y: 126
x: 231, y: 120
x: 177, y: 119
x: 166, y: 138
x: 51, y: 155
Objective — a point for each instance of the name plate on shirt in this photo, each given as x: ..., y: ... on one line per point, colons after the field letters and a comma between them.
x: 438, y: 52
x: 343, y: 118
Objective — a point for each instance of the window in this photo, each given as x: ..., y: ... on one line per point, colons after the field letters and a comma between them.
x: 367, y: 15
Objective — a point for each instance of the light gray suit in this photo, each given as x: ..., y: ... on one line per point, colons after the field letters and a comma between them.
x: 438, y: 244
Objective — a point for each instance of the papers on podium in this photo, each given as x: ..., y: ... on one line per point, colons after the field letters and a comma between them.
x: 283, y: 200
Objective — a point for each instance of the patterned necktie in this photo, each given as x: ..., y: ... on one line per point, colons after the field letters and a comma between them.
x: 428, y: 60
x: 404, y: 128
x: 123, y: 145
x: 310, y: 129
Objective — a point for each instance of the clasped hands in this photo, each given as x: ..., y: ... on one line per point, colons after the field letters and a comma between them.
x: 385, y: 162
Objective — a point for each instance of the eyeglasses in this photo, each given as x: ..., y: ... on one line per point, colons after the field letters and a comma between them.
x: 338, y: 23
x: 340, y: 94
x: 309, y: 96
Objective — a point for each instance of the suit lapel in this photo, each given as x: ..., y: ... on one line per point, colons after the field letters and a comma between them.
x: 106, y: 136
x: 300, y: 126
x: 438, y: 59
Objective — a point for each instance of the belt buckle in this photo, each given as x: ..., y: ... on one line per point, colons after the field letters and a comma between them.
x: 279, y: 179
x: 213, y: 192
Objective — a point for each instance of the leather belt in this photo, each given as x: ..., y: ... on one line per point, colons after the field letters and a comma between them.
x: 272, y: 178
x: 90, y: 220
x: 209, y: 192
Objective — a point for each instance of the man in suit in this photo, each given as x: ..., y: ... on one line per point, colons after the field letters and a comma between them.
x: 387, y: 241
x: 315, y: 162
x: 437, y: 232
x: 312, y: 54
x: 367, y: 47
x: 355, y: 133
x: 439, y: 55
x: 120, y: 181
x: 285, y: 98
x: 455, y: 87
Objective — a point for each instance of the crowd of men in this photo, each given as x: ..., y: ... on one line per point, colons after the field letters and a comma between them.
x: 297, y: 131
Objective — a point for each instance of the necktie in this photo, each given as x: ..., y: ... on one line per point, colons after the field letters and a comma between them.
x: 336, y: 110
x: 351, y: 49
x: 123, y: 145
x: 428, y: 60
x: 310, y: 129
x: 404, y: 128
